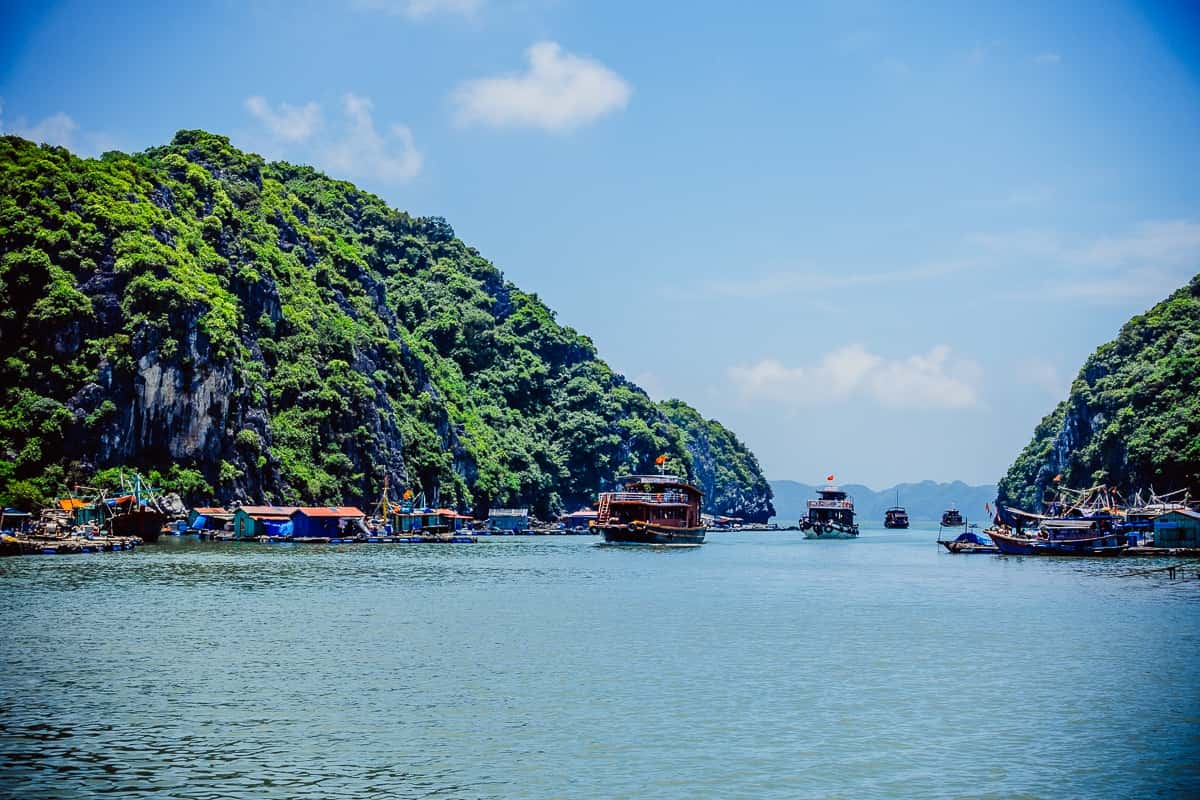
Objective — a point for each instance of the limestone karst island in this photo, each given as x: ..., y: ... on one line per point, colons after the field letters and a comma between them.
x: 468, y: 399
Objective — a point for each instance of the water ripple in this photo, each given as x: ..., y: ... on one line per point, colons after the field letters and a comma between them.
x: 755, y: 666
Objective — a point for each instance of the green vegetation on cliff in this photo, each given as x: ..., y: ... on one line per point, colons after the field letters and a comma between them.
x: 722, y: 466
x: 1133, y: 416
x: 258, y: 330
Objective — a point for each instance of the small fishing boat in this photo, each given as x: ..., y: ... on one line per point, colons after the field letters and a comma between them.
x: 651, y: 509
x: 1079, y: 523
x: 831, y: 515
x: 895, y: 517
x: 951, y: 518
x: 1060, y: 537
x: 968, y: 542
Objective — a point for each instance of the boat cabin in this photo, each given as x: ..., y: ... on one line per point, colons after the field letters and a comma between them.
x: 831, y: 506
x: 662, y: 500
x: 951, y: 518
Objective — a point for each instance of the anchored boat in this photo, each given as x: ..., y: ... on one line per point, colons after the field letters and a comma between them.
x: 831, y: 515
x: 968, y: 542
x: 651, y: 509
x: 1081, y: 523
x: 896, y: 516
x: 137, y: 514
x: 951, y: 518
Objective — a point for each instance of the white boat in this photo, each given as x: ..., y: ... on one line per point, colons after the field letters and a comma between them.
x: 831, y: 516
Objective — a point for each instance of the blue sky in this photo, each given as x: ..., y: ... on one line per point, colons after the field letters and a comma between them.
x: 874, y: 239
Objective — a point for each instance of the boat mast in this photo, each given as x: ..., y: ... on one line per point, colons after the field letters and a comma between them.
x: 384, y: 505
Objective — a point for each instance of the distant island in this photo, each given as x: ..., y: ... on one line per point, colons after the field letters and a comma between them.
x: 925, y: 501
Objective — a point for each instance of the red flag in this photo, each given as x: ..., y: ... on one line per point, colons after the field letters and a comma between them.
x: 661, y: 459
x: 828, y: 477
x: 1058, y: 477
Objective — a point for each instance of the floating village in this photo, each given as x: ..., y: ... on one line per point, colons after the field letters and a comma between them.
x: 653, y: 509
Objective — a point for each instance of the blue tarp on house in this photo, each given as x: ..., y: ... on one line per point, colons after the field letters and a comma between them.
x: 278, y: 528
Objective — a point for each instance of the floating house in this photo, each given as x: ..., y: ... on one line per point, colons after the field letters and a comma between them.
x: 208, y: 519
x: 579, y: 519
x: 1178, y: 528
x: 252, y: 521
x: 406, y: 519
x: 327, y: 522
x: 509, y: 520
x: 82, y: 512
x: 14, y: 519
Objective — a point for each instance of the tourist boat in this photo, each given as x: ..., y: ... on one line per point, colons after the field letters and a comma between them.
x: 651, y: 509
x: 896, y: 516
x: 831, y: 515
x: 951, y: 518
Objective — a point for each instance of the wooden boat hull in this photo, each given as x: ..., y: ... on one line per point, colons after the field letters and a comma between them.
x: 146, y: 525
x: 894, y: 525
x: 963, y: 548
x: 642, y: 533
x: 1099, y: 546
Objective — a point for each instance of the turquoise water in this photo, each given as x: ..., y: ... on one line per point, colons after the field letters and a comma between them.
x: 759, y: 665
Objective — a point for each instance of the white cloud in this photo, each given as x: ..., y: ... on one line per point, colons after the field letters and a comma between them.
x: 350, y: 146
x: 289, y: 123
x: 1170, y: 242
x: 1044, y: 375
x: 1047, y: 58
x: 652, y: 384
x: 364, y: 152
x: 419, y: 9
x: 808, y: 280
x: 1147, y: 262
x: 1143, y: 285
x: 58, y: 129
x: 930, y: 380
x: 557, y: 92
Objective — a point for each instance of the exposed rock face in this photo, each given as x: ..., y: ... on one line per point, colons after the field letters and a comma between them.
x: 722, y: 466
x: 1132, y: 420
x: 258, y: 332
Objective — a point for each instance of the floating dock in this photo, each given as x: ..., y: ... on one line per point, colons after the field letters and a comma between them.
x: 61, y: 546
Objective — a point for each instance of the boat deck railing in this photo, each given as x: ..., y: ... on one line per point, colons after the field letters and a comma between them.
x: 648, y: 497
x: 831, y: 504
